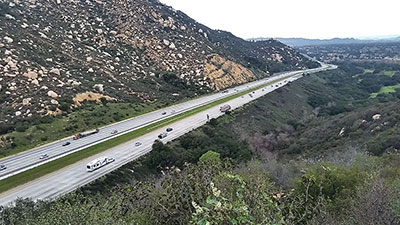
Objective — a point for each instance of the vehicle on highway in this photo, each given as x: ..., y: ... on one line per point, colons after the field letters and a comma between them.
x: 254, y: 92
x: 82, y: 135
x: 276, y: 85
x: 66, y: 143
x: 163, y: 135
x: 43, y: 156
x: 169, y: 129
x: 251, y: 95
x: 2, y: 167
x: 225, y: 108
x: 225, y: 91
x: 97, y: 163
x: 137, y: 144
x: 262, y: 90
x: 164, y: 113
x: 114, y: 132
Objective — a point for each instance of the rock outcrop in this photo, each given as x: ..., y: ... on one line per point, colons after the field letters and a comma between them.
x: 224, y: 73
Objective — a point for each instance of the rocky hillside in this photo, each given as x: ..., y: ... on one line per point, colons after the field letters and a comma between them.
x: 63, y: 52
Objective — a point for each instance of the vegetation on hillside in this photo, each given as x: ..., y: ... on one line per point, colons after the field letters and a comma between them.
x: 312, y: 152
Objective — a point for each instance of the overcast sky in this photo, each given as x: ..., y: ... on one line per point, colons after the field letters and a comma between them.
x: 296, y: 18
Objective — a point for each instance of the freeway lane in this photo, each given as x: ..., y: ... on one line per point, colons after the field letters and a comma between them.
x: 31, y: 158
x: 69, y: 178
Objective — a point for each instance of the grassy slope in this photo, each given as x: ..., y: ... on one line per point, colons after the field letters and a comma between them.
x: 386, y: 89
x: 88, y: 118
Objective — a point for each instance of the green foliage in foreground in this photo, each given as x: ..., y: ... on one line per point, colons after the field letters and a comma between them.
x: 209, y: 193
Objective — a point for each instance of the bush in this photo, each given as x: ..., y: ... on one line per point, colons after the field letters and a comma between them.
x: 45, y: 138
x: 21, y: 127
x: 5, y: 128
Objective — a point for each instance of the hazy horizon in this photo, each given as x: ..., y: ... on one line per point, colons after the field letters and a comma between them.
x: 292, y: 19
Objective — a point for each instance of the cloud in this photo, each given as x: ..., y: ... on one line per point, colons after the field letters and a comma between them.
x: 295, y: 18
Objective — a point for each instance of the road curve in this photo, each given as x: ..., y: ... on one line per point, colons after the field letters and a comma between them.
x: 74, y: 176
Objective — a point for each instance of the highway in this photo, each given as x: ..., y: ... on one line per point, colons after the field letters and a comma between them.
x: 70, y: 178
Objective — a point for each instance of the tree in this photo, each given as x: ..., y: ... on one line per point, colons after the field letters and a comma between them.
x: 103, y: 101
x: 210, y: 157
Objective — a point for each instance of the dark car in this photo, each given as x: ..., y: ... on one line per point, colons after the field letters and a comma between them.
x: 66, y: 143
x: 164, y: 113
x: 114, y: 132
x: 169, y: 129
x: 2, y: 167
x: 138, y: 144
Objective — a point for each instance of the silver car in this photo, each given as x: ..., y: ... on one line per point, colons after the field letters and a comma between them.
x: 163, y: 135
x: 43, y: 156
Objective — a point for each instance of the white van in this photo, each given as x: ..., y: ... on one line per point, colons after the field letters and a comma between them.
x: 97, y: 163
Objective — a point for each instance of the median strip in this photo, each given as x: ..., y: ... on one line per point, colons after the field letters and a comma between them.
x: 52, y: 166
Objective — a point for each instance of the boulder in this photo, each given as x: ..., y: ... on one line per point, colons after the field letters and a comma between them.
x: 55, y: 71
x: 9, y: 17
x: 166, y: 42
x: 52, y: 94
x: 31, y: 75
x: 26, y: 101
x: 8, y: 39
x: 99, y: 87
x: 35, y: 82
x: 376, y: 116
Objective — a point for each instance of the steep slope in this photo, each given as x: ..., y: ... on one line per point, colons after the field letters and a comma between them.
x: 57, y: 52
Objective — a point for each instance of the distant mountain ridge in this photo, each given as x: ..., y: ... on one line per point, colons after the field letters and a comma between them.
x: 297, y: 42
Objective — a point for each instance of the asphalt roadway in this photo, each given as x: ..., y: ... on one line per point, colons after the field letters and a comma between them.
x: 74, y: 176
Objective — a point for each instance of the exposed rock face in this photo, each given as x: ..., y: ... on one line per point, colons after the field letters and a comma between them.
x: 224, y: 73
x: 63, y: 48
x: 90, y: 96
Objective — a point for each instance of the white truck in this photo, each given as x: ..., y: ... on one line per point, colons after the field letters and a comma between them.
x: 99, y: 162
